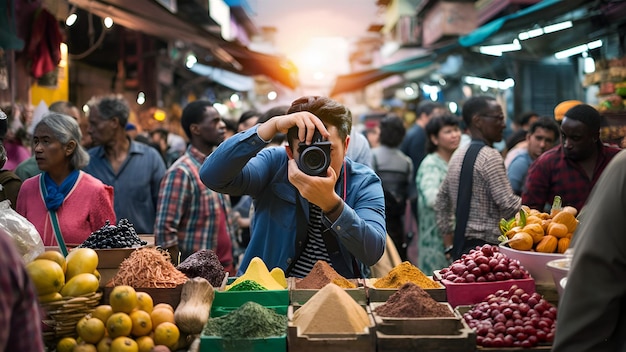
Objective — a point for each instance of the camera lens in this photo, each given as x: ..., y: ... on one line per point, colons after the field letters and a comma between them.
x: 314, y: 158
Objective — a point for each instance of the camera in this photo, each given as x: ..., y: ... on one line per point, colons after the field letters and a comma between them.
x: 315, y: 157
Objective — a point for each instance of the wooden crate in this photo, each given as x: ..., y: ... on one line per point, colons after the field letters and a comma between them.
x: 417, y: 326
x: 170, y: 296
x: 382, y: 294
x: 363, y: 342
x: 301, y: 296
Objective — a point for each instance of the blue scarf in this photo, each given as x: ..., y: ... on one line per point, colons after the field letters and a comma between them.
x: 56, y: 194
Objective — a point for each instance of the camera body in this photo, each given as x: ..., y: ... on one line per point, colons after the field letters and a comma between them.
x: 314, y: 158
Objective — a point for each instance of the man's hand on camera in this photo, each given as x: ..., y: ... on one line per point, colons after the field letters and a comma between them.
x: 317, y: 190
x: 304, y: 120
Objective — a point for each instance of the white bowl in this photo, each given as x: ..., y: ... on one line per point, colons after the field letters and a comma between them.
x: 559, y: 269
x: 535, y: 263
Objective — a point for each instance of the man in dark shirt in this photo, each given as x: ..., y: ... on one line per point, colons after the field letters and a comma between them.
x: 573, y: 168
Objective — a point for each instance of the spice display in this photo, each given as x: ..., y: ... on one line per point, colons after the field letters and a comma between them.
x: 247, y: 285
x: 412, y: 302
x: 403, y: 273
x: 148, y: 268
x: 257, y: 272
x: 331, y: 311
x: 251, y: 320
x: 204, y: 263
x: 111, y: 236
x: 321, y: 275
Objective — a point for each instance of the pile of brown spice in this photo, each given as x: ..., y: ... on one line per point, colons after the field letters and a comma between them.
x: 148, y: 267
x: 331, y: 311
x: 403, y: 273
x: 321, y: 275
x: 412, y: 302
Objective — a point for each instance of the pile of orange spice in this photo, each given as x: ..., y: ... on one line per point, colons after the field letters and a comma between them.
x: 148, y: 267
x: 403, y: 273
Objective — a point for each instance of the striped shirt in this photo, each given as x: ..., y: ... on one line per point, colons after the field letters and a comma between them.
x: 492, y: 196
x: 189, y: 213
x: 315, y: 248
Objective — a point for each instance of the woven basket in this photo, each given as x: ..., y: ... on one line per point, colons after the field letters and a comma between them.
x: 61, y: 316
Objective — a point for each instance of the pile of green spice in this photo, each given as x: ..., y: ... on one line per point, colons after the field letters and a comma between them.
x: 247, y: 285
x: 251, y: 320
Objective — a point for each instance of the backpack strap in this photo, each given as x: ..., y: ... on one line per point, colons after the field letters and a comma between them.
x: 466, y: 180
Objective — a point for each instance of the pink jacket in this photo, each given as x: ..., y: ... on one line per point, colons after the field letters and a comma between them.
x: 85, y: 209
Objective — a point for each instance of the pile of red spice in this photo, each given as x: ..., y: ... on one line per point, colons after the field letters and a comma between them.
x: 412, y: 302
x: 321, y: 275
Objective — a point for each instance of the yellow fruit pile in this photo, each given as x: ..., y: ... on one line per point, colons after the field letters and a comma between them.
x: 129, y: 323
x: 56, y: 276
x: 532, y: 230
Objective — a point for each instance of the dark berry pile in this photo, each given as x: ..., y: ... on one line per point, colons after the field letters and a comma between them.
x: 111, y: 236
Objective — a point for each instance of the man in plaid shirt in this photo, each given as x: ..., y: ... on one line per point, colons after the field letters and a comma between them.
x: 20, y: 317
x: 571, y: 169
x: 190, y: 216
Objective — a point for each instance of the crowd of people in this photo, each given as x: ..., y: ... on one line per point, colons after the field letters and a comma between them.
x: 299, y: 183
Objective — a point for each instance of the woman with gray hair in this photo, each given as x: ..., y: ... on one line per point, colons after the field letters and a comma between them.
x: 64, y: 203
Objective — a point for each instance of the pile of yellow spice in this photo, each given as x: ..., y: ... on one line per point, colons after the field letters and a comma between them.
x: 403, y: 273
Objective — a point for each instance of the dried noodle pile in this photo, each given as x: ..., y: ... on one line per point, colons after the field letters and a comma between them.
x: 148, y: 267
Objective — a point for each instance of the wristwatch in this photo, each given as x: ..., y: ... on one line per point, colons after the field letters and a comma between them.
x: 448, y: 249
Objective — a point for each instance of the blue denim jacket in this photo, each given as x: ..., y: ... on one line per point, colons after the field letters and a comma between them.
x: 241, y: 165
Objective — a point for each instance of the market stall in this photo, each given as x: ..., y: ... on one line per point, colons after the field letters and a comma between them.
x: 487, y: 300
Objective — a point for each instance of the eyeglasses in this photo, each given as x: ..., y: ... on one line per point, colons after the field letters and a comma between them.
x: 499, y: 117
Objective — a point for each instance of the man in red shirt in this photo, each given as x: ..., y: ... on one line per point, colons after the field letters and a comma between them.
x: 571, y: 169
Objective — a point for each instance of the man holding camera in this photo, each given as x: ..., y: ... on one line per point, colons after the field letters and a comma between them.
x: 311, y: 202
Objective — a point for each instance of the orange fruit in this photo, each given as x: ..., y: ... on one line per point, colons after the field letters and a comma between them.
x: 142, y: 323
x: 124, y: 344
x: 47, y: 276
x: 66, y: 344
x: 102, y: 312
x: 104, y: 345
x: 166, y: 334
x: 567, y: 219
x: 161, y: 315
x: 145, y: 343
x: 85, y: 347
x: 123, y: 299
x: 90, y: 329
x: 557, y: 230
x: 164, y: 305
x: 56, y: 257
x: 144, y: 302
x: 119, y: 324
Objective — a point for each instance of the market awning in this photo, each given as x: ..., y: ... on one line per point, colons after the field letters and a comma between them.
x: 540, y: 12
x: 359, y: 80
x: 228, y: 79
x: 590, y: 20
x: 147, y: 16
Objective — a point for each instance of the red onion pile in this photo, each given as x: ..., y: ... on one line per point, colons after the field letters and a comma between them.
x: 512, y: 318
x: 484, y: 264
